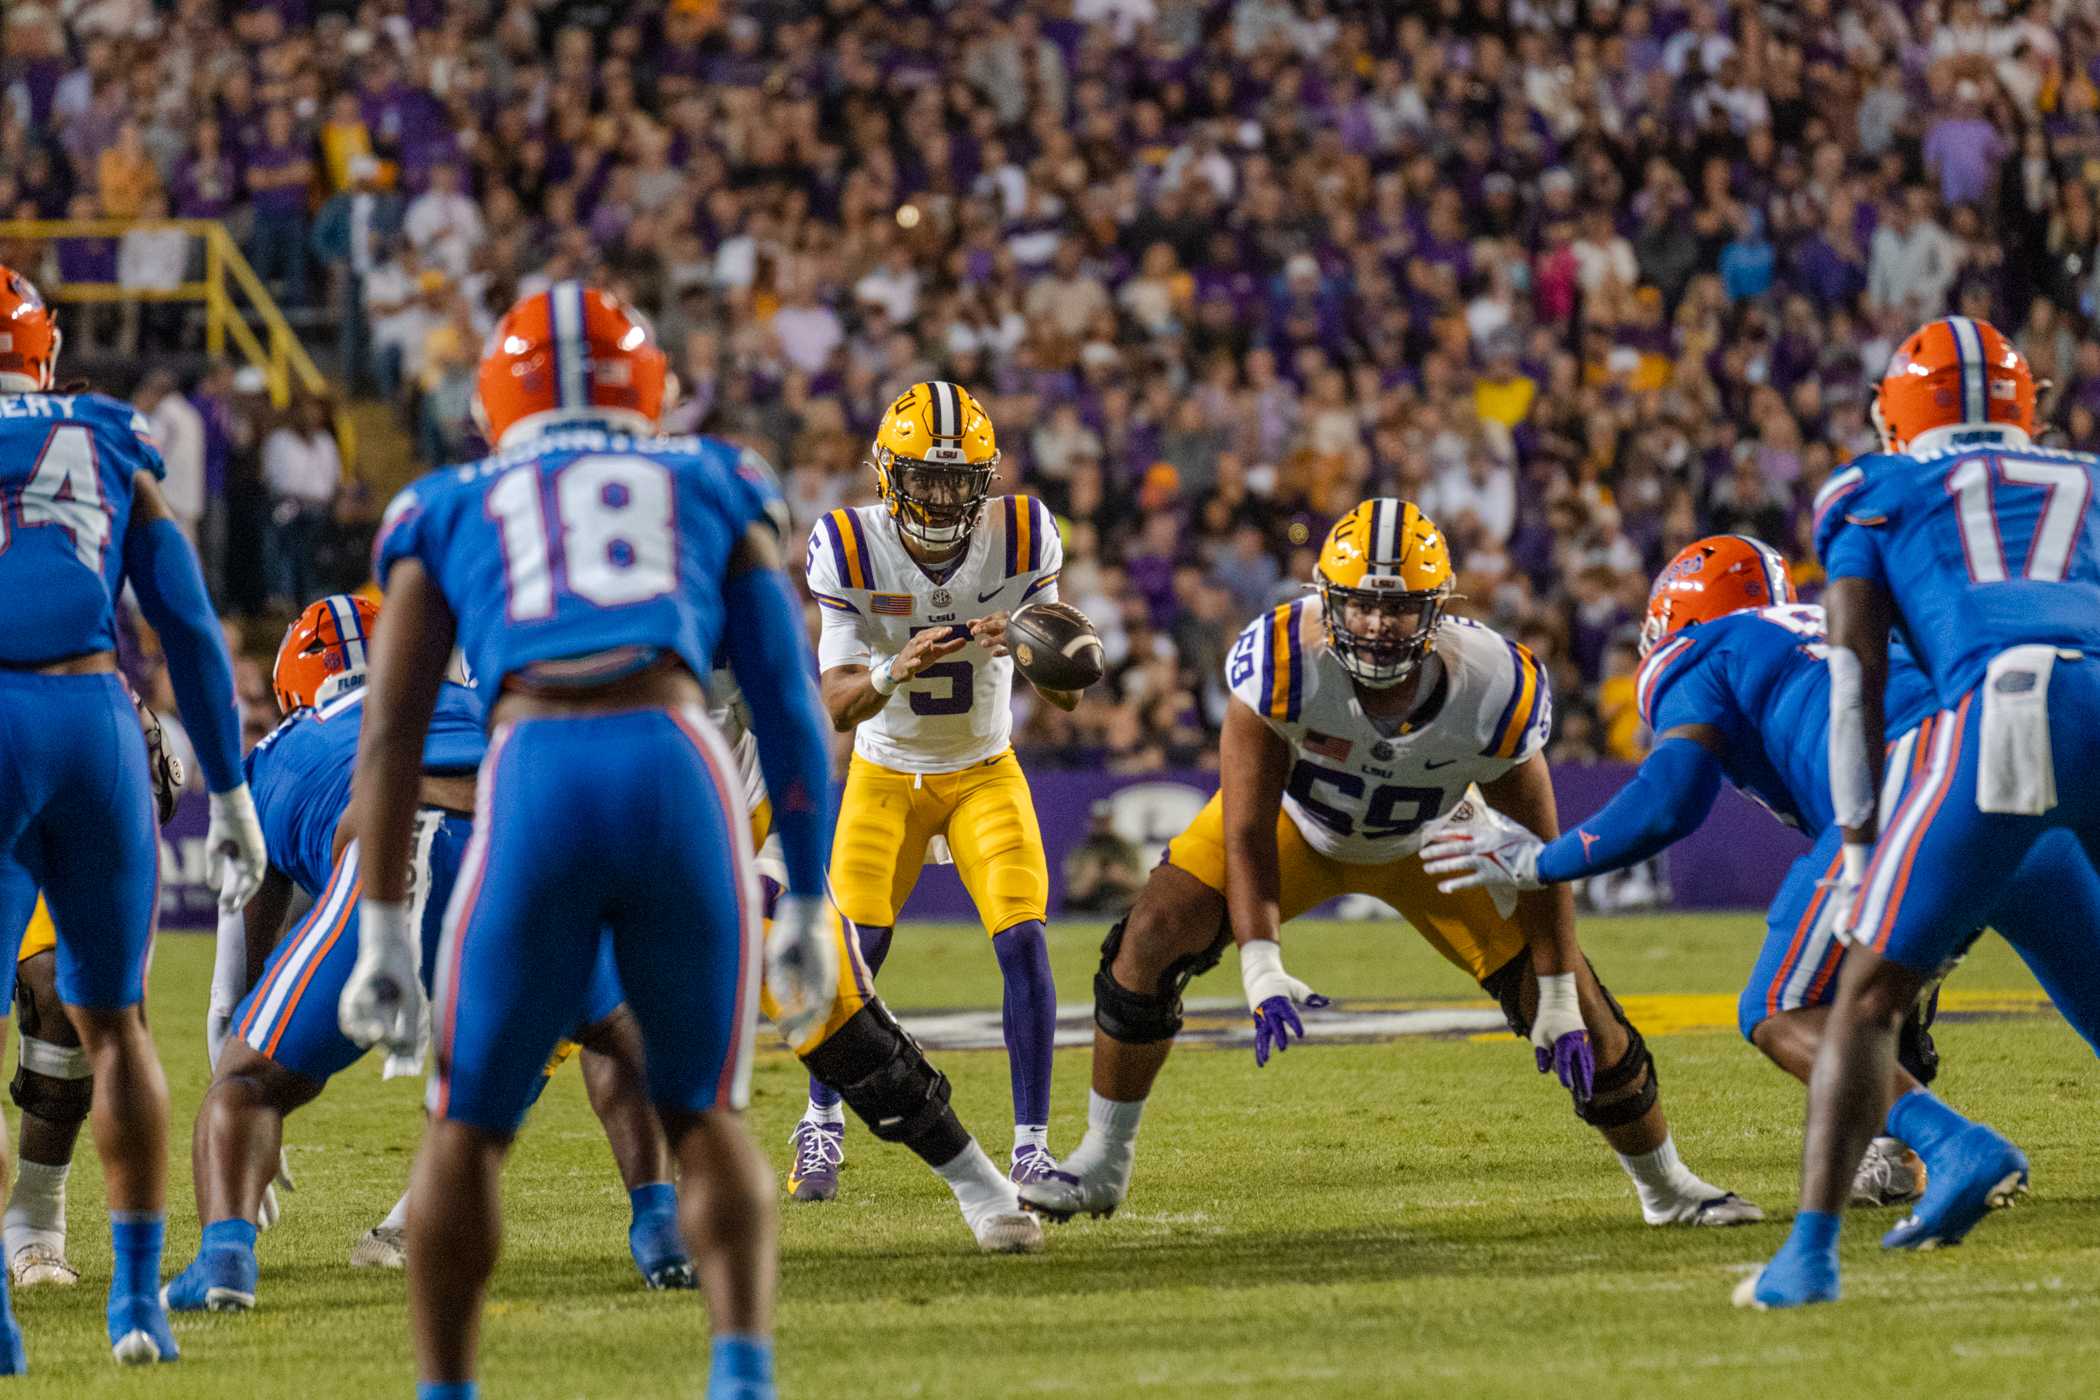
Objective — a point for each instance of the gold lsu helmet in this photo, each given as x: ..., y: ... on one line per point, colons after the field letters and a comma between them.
x: 934, y: 459
x: 1384, y: 576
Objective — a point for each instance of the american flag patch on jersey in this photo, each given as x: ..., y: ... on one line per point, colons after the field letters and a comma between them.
x: 1327, y: 746
x: 891, y: 604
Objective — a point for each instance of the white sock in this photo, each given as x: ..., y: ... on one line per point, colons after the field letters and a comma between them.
x: 1662, y: 1179
x: 831, y: 1115
x: 38, y: 1201
x: 1887, y: 1147
x: 979, y: 1186
x: 1111, y: 1135
x: 1031, y: 1135
x: 397, y: 1218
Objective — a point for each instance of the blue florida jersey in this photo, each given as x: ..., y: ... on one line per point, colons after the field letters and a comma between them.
x: 1759, y: 677
x: 1984, y: 545
x: 582, y: 551
x: 300, y: 774
x: 67, y: 462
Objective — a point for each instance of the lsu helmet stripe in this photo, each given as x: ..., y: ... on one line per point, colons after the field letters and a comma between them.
x: 1968, y: 353
x: 571, y: 356
x: 1385, y: 530
x: 1522, y: 706
x: 947, y: 410
x: 861, y: 551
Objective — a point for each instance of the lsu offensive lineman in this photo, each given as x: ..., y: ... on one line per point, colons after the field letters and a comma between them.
x: 915, y: 594
x: 1360, y: 716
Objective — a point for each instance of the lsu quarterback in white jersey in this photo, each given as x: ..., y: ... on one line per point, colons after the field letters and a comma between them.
x: 1360, y: 715
x: 915, y: 593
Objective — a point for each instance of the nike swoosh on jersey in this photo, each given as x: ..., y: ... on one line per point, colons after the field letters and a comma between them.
x: 987, y: 597
x: 1434, y: 763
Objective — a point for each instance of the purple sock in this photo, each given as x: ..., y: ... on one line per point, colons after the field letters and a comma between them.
x: 1030, y: 1018
x: 874, y: 947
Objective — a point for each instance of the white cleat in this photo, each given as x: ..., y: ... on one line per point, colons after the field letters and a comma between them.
x: 381, y: 1247
x: 1724, y: 1209
x: 1062, y: 1193
x: 41, y: 1266
x: 1889, y: 1175
x: 135, y: 1349
x: 1008, y: 1232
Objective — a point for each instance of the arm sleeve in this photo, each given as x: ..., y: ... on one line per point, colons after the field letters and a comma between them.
x: 1665, y: 802
x: 770, y: 658
x: 163, y: 572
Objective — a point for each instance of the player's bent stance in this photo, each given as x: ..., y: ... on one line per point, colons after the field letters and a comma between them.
x: 53, y: 1084
x: 861, y: 1056
x: 590, y: 571
x: 84, y: 516
x: 915, y: 594
x: 1359, y: 717
x: 1982, y: 549
x: 1734, y: 684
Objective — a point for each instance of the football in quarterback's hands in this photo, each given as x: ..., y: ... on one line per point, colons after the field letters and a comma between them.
x: 1055, y: 646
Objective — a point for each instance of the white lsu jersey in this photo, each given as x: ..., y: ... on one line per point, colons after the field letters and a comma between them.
x: 1361, y: 795
x: 875, y: 596
x: 731, y: 713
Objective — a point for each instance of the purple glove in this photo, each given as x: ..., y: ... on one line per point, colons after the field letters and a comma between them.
x: 1275, y: 1022
x: 1572, y: 1060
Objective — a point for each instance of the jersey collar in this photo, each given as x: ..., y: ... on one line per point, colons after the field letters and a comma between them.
x: 1934, y: 441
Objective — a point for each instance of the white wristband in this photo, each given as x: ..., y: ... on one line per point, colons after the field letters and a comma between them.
x: 1856, y: 856
x: 1557, y: 994
x: 1261, y: 971
x: 879, y: 676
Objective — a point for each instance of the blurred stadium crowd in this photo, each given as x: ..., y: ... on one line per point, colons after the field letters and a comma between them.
x: 1585, y: 278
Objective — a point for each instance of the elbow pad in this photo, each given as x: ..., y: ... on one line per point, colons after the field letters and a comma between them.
x: 1851, y: 773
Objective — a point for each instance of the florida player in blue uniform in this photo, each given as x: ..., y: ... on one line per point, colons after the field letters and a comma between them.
x: 1981, y: 551
x: 1734, y: 685
x: 590, y: 570
x: 275, y: 1041
x: 81, y: 515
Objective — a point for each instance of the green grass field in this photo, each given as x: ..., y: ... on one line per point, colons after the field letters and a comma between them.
x: 1421, y: 1217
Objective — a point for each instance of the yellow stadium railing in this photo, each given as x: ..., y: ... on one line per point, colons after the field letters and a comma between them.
x: 274, y: 348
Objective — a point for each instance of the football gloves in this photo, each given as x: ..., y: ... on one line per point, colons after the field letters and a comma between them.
x: 1273, y: 995
x: 802, y: 968
x: 383, y: 1002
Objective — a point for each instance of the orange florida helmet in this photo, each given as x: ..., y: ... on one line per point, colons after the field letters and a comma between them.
x: 1711, y: 578
x: 29, y: 336
x: 323, y: 652
x: 570, y: 352
x: 1953, y: 372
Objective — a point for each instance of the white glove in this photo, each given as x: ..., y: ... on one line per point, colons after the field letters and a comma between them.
x: 1262, y: 975
x: 272, y: 1210
x: 802, y: 965
x: 1488, y: 852
x: 233, y: 846
x: 383, y: 1002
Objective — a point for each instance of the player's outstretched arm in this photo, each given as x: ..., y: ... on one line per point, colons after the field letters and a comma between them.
x: 1253, y: 761
x: 383, y: 998
x: 1665, y: 802
x: 1860, y: 614
x: 170, y: 587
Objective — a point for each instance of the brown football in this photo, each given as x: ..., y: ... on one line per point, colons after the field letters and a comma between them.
x: 1055, y: 646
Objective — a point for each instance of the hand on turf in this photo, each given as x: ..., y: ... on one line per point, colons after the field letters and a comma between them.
x: 233, y: 845
x: 989, y: 632
x: 802, y: 968
x: 1273, y: 995
x: 1560, y: 1041
x: 383, y: 1002
x: 1491, y: 852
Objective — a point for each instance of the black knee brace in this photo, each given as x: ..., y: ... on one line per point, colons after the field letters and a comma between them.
x: 1636, y: 1066
x: 1146, y: 1018
x: 55, y: 1098
x: 1915, y: 1051
x: 886, y: 1079
x: 1506, y: 985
